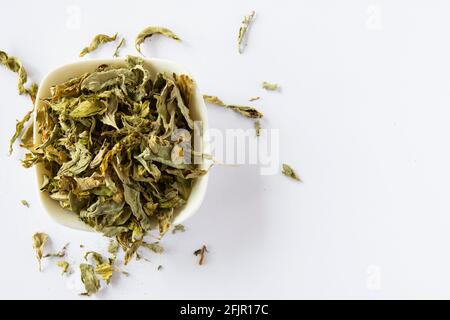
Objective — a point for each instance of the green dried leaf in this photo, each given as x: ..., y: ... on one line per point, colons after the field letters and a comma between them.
x: 32, y: 91
x: 254, y: 99
x: 178, y: 228
x: 25, y: 203
x: 116, y: 52
x: 80, y: 160
x: 103, y: 80
x: 131, y: 251
x: 39, y: 240
x: 270, y: 86
x: 201, y: 253
x: 113, y: 247
x: 165, y: 218
x: 105, y: 270
x: 96, y: 42
x: 155, y: 247
x: 89, y: 279
x: 45, y: 182
x: 289, y: 172
x: 150, y: 31
x: 243, y: 30
x: 88, y: 108
x: 246, y: 111
x: 27, y: 137
x: 214, y: 100
x: 96, y: 257
x: 19, y: 127
x: 133, y: 199
x: 64, y: 265
x: 109, y: 117
x: 13, y: 64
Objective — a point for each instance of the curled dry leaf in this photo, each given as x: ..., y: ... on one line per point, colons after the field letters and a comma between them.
x: 105, y: 270
x: 96, y: 42
x: 120, y: 45
x: 19, y: 127
x: 270, y: 86
x: 150, y: 31
x: 39, y: 241
x: 289, y: 172
x: 246, y: 111
x: 25, y: 203
x: 155, y: 247
x: 64, y: 265
x: 89, y: 279
x: 96, y: 257
x: 178, y: 228
x: 132, y: 251
x: 113, y: 247
x: 243, y: 30
x: 27, y: 137
x: 13, y: 64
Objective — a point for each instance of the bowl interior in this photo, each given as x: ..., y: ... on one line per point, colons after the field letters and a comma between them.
x: 64, y: 73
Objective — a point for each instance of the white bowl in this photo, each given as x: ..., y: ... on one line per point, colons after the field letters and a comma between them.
x: 64, y: 73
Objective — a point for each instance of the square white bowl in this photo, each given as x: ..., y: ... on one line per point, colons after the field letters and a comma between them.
x: 68, y: 71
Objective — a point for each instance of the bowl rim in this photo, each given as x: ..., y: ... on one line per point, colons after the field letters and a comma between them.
x: 70, y: 219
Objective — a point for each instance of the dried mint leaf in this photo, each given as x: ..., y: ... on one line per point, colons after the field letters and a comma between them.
x: 89, y: 279
x: 105, y: 270
x: 64, y: 265
x: 132, y: 251
x: 270, y: 86
x: 13, y: 64
x: 246, y: 111
x: 25, y: 203
x: 289, y: 172
x: 96, y: 257
x: 27, y: 137
x: 96, y: 42
x: 45, y: 182
x: 19, y: 127
x: 150, y: 31
x: 254, y: 99
x: 155, y: 247
x: 120, y: 45
x: 243, y: 30
x: 178, y: 228
x: 113, y: 247
x: 39, y: 241
x: 214, y: 100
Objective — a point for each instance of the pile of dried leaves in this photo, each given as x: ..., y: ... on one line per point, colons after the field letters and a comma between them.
x: 115, y: 146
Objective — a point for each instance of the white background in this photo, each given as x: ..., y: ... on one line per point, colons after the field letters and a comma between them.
x: 363, y: 116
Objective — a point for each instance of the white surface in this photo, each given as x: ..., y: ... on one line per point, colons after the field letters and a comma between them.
x: 363, y: 115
